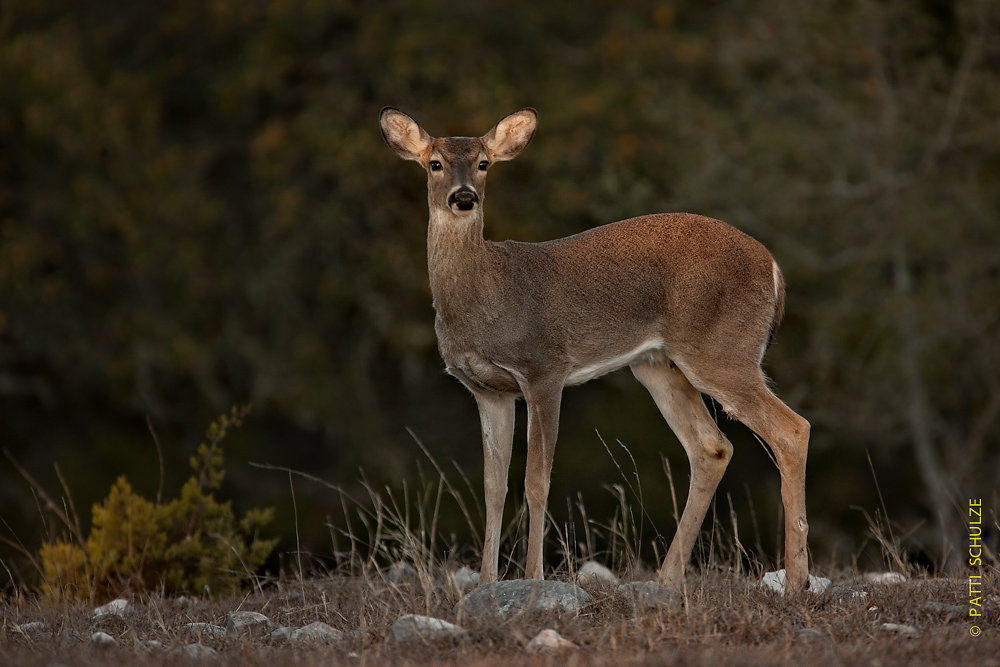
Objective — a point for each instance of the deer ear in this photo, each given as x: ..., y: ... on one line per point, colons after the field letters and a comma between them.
x: 511, y: 135
x: 403, y: 134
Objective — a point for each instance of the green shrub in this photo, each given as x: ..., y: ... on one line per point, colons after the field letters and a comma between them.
x: 191, y: 544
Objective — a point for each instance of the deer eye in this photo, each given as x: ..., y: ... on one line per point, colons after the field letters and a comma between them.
x: 483, y: 165
x: 436, y: 165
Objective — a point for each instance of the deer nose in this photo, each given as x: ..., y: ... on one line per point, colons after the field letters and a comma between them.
x: 464, y: 199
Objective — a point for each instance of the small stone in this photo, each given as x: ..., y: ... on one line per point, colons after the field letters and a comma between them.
x: 808, y: 634
x: 32, y: 628
x: 403, y: 573
x: 595, y: 578
x: 549, y: 641
x: 248, y: 622
x: 202, y: 631
x: 113, y: 607
x: 316, y: 633
x: 499, y: 601
x: 885, y: 577
x: 649, y: 596
x: 411, y: 627
x: 465, y: 579
x: 775, y: 581
x: 196, y: 651
x: 947, y: 610
x: 100, y: 641
x: 283, y: 632
x: 899, y: 629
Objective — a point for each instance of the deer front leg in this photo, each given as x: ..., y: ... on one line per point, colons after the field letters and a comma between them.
x: 496, y: 416
x: 543, y: 427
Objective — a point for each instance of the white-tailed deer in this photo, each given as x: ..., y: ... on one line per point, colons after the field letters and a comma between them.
x: 687, y: 302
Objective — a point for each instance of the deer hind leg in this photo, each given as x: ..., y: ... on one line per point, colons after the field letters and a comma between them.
x: 543, y: 427
x: 746, y: 397
x: 496, y: 415
x: 707, y: 449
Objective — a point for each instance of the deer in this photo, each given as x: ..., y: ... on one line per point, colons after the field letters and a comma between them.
x: 689, y: 303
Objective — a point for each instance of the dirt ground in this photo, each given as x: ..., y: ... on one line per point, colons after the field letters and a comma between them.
x: 725, y: 619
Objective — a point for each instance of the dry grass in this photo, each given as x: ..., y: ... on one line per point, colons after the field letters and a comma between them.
x: 725, y: 619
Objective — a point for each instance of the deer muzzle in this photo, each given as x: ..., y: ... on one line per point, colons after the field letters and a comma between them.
x: 463, y: 199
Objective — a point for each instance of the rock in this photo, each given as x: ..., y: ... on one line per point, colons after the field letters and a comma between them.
x: 501, y: 600
x: 151, y: 645
x: 196, y: 651
x: 899, y: 629
x: 248, y: 622
x: 775, y: 581
x: 885, y: 577
x: 595, y: 578
x: 855, y: 593
x: 411, y: 628
x: 402, y: 573
x: 316, y: 633
x: 202, y: 631
x: 359, y: 637
x: 100, y: 641
x: 464, y: 579
x: 947, y: 610
x: 284, y: 632
x: 808, y: 634
x: 32, y: 628
x: 113, y: 607
x: 549, y: 641
x: 648, y: 596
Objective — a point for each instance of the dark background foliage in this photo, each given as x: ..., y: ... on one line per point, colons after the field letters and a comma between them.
x: 197, y: 210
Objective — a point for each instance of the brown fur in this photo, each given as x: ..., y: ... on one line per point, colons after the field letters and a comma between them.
x: 688, y: 302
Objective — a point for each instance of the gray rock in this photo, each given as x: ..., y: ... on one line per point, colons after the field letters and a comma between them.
x: 885, y: 577
x: 595, y: 578
x: 501, y: 600
x: 100, y: 641
x: 402, y: 573
x: 196, y: 651
x: 202, y: 631
x: 899, y: 629
x: 808, y: 634
x: 549, y: 641
x: 151, y: 645
x: 947, y: 610
x: 249, y: 622
x: 464, y: 579
x: 649, y: 596
x: 412, y: 628
x: 31, y: 629
x: 284, y: 632
x: 316, y: 633
x: 775, y: 581
x: 114, y: 607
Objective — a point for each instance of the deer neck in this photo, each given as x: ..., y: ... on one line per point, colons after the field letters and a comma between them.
x: 458, y: 258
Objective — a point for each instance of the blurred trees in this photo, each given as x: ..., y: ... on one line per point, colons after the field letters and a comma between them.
x: 196, y: 210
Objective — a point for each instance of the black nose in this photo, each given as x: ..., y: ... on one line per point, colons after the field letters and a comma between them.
x: 464, y: 199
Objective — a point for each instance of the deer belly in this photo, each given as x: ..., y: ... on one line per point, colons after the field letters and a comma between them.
x: 586, y: 370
